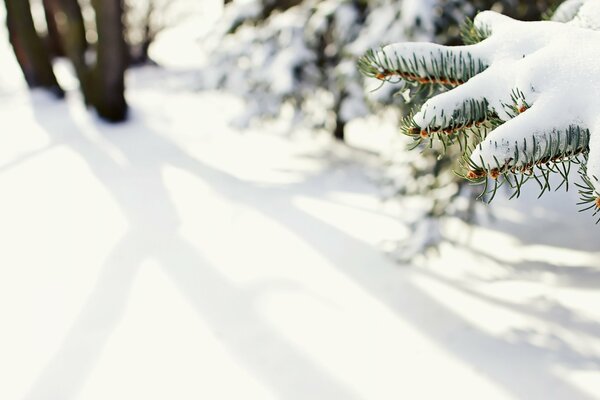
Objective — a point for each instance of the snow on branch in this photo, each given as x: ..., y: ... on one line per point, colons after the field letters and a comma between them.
x: 523, y: 103
x: 422, y: 63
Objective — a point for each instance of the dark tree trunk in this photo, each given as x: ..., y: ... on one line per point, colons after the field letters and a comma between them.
x: 53, y: 40
x: 108, y: 77
x: 67, y: 17
x: 29, y: 48
x: 339, y: 130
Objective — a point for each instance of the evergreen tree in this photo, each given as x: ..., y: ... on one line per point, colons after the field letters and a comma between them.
x: 506, y: 111
x: 295, y: 56
x: 305, y: 56
x: 425, y: 183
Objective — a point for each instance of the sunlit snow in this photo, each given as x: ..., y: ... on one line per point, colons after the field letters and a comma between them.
x: 175, y: 257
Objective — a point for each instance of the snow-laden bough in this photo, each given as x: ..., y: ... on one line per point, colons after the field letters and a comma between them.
x: 524, y: 100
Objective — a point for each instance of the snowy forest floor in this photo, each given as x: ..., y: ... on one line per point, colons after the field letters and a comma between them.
x: 173, y: 257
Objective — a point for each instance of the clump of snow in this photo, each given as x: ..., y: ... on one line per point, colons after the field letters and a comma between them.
x: 587, y: 16
x: 567, y: 10
x: 552, y: 64
x: 556, y: 76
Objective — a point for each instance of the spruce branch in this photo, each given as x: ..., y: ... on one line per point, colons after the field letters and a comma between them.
x: 438, y: 66
x: 473, y: 34
x: 534, y: 158
x: 466, y: 124
x: 537, y: 132
x: 588, y: 194
x: 517, y: 105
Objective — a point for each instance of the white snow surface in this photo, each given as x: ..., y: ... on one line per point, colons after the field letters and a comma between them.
x: 173, y: 257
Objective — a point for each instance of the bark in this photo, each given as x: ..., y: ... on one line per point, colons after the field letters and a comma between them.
x: 67, y: 16
x: 53, y: 40
x: 339, y: 130
x: 107, y: 85
x: 29, y: 48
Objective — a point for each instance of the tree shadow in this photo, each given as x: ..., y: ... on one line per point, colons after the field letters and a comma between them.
x: 146, y: 153
x: 571, y: 262
x: 549, y: 311
x: 154, y: 233
x: 546, y: 220
x: 494, y: 357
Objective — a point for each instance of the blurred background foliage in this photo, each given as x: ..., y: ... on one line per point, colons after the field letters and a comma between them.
x: 281, y: 56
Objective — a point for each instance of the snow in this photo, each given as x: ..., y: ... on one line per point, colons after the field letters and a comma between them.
x: 560, y: 94
x: 587, y: 15
x: 296, y: 55
x: 522, y: 56
x: 567, y: 10
x: 176, y: 257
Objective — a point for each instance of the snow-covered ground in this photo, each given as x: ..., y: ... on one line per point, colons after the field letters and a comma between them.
x: 174, y: 257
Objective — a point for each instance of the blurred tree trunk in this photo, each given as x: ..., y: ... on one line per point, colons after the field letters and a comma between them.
x: 67, y: 17
x: 339, y: 130
x: 102, y: 84
x: 107, y: 85
x: 53, y: 40
x: 29, y: 48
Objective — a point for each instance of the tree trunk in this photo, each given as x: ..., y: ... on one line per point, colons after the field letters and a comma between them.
x: 107, y: 86
x: 67, y: 17
x: 339, y: 130
x: 53, y: 40
x: 29, y: 48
